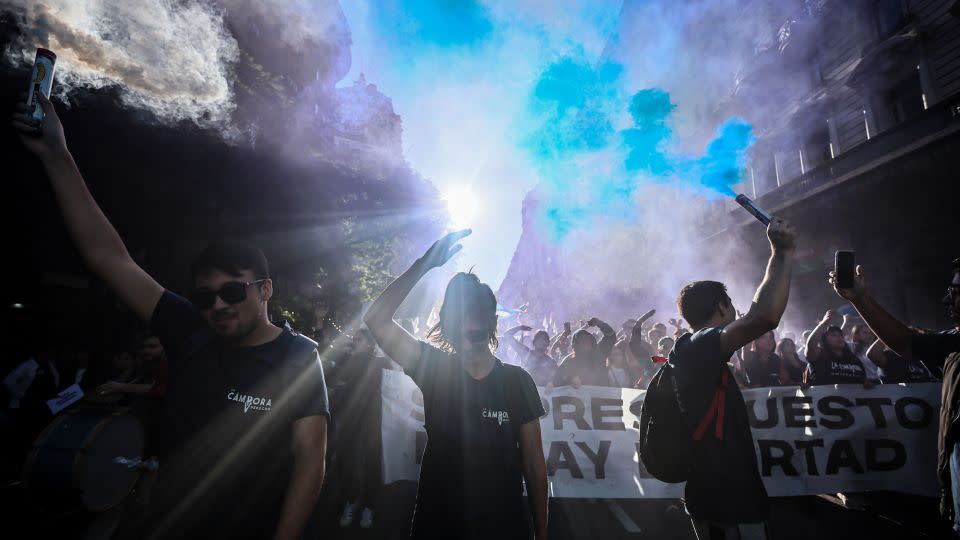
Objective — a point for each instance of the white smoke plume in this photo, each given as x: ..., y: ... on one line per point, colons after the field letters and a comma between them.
x: 172, y: 58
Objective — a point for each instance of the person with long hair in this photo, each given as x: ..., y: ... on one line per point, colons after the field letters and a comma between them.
x: 481, y: 415
x: 791, y: 366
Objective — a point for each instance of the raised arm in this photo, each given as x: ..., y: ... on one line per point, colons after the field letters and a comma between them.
x: 609, y: 338
x: 886, y: 327
x: 772, y: 294
x: 846, y: 324
x: 95, y: 238
x: 638, y: 344
x: 814, y: 339
x: 556, y: 339
x: 396, y: 342
x: 515, y: 344
x: 875, y: 354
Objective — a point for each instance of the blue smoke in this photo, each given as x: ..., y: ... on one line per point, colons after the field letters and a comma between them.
x: 570, y: 98
x: 443, y: 23
x: 591, y: 170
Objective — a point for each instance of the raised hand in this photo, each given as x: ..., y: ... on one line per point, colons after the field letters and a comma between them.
x: 782, y: 235
x: 859, y: 288
x: 43, y: 139
x: 646, y: 316
x: 444, y: 249
x: 828, y: 316
x: 525, y: 328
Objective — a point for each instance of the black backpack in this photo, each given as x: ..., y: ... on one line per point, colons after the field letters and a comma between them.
x: 666, y: 445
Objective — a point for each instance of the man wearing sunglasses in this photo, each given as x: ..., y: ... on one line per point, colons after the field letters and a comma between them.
x: 243, y: 431
x: 940, y: 353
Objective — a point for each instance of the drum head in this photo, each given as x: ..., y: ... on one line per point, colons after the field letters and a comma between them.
x: 104, y: 483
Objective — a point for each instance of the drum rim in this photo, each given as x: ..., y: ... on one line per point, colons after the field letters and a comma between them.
x: 80, y: 458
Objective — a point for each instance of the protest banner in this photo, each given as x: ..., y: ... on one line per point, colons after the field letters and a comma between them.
x: 824, y: 439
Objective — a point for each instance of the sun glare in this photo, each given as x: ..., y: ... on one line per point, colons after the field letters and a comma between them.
x: 462, y: 206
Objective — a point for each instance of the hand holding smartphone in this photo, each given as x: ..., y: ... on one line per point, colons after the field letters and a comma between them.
x: 844, y: 266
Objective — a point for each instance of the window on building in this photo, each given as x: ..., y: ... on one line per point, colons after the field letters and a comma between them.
x: 816, y: 148
x: 764, y: 175
x: 788, y: 165
x: 901, y: 102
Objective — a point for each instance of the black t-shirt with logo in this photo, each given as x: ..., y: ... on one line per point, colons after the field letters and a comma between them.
x: 843, y: 368
x: 900, y: 370
x: 471, y: 478
x: 724, y: 485
x: 226, y: 427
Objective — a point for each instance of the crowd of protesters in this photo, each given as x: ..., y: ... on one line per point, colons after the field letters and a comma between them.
x: 215, y: 357
x: 836, y: 350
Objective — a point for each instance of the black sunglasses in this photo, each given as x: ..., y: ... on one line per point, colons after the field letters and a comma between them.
x: 477, y: 336
x: 231, y: 292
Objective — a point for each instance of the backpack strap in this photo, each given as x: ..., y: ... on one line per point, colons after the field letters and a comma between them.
x: 715, y: 411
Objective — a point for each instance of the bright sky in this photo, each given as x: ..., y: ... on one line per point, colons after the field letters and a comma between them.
x: 461, y: 75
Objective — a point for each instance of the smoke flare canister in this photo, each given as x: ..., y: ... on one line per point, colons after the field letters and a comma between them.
x: 41, y: 80
x: 757, y: 212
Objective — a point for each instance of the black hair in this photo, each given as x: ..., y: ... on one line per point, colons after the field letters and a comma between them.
x: 698, y: 301
x: 232, y: 258
x: 581, y: 335
x: 543, y: 334
x: 465, y: 295
x: 832, y: 329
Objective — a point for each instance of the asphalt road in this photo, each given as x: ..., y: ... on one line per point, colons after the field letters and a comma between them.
x: 888, y: 515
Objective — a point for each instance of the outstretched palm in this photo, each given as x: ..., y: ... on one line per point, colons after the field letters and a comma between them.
x: 445, y: 248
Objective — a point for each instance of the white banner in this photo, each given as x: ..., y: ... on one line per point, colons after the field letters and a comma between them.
x: 402, y: 426
x: 826, y: 439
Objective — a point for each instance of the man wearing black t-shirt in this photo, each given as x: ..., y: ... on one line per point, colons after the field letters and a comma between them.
x: 939, y: 352
x: 481, y: 415
x: 586, y: 365
x: 243, y: 429
x: 724, y: 494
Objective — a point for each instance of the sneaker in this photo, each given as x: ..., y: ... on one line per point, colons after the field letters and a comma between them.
x: 346, y: 518
x: 366, y: 519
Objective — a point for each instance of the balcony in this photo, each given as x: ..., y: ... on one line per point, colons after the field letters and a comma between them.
x: 939, y: 121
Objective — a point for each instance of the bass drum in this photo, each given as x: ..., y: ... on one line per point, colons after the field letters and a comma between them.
x: 73, y: 462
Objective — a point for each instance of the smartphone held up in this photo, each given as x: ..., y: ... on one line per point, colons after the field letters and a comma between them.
x: 844, y: 267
